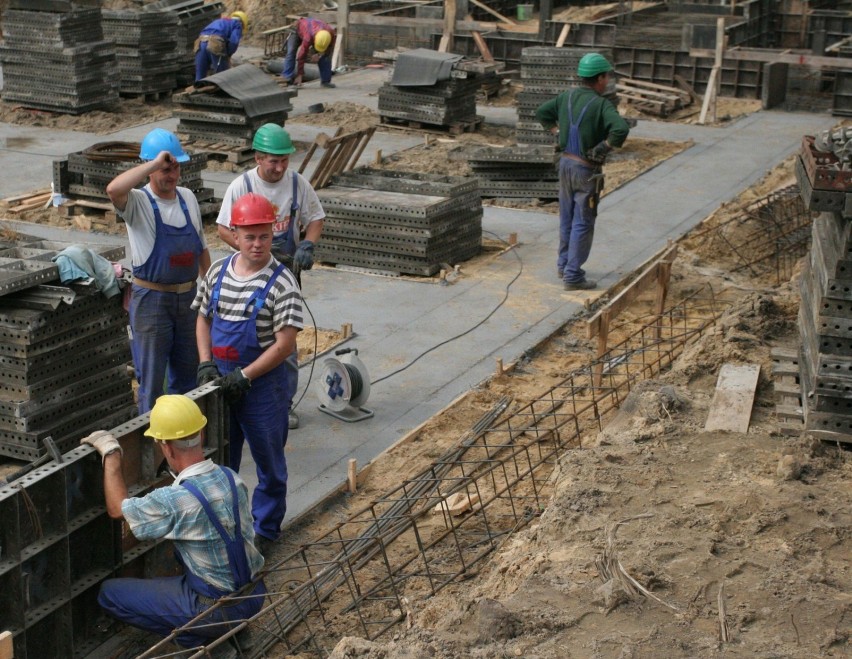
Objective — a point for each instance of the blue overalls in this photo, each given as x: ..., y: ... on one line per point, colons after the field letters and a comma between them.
x: 162, y: 323
x: 260, y: 417
x: 578, y: 206
x: 294, y: 41
x: 165, y: 604
x: 284, y: 242
x: 230, y: 30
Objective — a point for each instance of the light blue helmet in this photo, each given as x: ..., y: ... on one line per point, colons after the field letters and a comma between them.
x: 158, y: 140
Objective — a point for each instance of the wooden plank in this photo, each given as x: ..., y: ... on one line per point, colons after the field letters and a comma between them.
x: 563, y: 35
x: 482, y: 46
x: 7, y: 650
x: 733, y: 398
x: 709, y: 96
x: 494, y: 13
x: 449, y: 30
x: 758, y: 55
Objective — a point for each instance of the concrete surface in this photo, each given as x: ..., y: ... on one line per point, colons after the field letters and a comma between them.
x: 509, y: 305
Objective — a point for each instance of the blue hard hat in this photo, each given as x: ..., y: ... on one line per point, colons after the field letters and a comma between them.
x: 158, y: 140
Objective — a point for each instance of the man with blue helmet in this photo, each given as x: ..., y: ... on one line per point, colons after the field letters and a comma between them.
x: 168, y: 253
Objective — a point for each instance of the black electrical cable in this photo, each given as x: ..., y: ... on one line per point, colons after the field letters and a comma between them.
x: 314, y: 360
x: 469, y: 330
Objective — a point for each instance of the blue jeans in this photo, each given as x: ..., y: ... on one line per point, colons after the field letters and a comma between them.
x: 289, y: 71
x: 578, y: 208
x: 164, y: 604
x: 163, y: 327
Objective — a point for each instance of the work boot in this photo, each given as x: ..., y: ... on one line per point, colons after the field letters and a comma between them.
x: 263, y: 544
x: 328, y: 85
x: 292, y: 420
x: 585, y: 285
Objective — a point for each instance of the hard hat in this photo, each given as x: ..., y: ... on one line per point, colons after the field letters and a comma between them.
x: 322, y: 40
x: 243, y: 18
x: 175, y: 416
x: 250, y: 209
x: 591, y: 64
x: 158, y: 140
x: 271, y: 138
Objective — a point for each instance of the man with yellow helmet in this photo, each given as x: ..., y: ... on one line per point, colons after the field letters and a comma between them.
x: 314, y: 39
x: 217, y: 43
x: 205, y: 513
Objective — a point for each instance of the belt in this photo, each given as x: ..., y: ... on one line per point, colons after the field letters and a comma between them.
x: 184, y: 287
x: 580, y: 160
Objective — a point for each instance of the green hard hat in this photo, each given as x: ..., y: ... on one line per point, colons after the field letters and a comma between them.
x: 591, y: 64
x: 271, y: 138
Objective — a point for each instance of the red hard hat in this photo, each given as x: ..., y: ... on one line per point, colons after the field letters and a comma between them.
x: 252, y: 208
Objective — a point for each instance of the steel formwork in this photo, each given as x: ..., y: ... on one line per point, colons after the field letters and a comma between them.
x: 357, y: 574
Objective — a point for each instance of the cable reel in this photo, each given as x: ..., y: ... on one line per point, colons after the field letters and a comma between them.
x: 343, y: 386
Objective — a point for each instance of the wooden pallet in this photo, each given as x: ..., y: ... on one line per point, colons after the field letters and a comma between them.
x: 788, y: 391
x: 342, y: 152
x: 652, y: 98
x: 99, y: 214
x: 28, y: 202
x: 453, y: 129
x: 238, y: 155
x: 148, y: 97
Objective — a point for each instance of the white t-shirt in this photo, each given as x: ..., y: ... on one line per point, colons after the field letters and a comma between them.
x: 141, y: 226
x: 280, y: 195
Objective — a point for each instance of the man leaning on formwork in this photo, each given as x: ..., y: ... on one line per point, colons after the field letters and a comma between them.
x: 217, y: 43
x: 168, y: 254
x: 297, y: 210
x: 204, y: 512
x: 310, y: 39
x: 589, y: 127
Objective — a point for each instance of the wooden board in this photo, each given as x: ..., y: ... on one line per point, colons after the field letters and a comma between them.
x: 733, y: 399
x: 6, y: 649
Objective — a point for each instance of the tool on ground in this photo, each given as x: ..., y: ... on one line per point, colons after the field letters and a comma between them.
x: 52, y: 454
x: 344, y: 386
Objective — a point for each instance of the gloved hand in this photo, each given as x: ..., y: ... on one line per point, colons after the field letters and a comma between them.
x: 304, y: 256
x: 103, y: 442
x: 235, y: 385
x: 207, y: 372
x: 599, y: 153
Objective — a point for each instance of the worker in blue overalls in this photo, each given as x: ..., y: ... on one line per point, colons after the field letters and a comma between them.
x: 205, y: 513
x: 217, y: 43
x: 168, y: 254
x: 249, y: 312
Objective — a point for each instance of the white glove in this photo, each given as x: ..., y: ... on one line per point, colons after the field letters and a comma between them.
x: 103, y: 442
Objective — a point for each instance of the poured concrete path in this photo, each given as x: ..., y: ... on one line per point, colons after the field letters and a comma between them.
x: 509, y: 305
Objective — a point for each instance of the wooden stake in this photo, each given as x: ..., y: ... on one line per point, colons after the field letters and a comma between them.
x: 715, y: 82
x: 352, y: 475
x: 346, y: 330
x: 513, y: 239
x: 499, y: 367
x: 603, y: 336
x: 563, y: 36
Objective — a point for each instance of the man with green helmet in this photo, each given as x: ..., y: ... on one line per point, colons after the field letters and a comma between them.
x: 589, y: 127
x: 297, y: 208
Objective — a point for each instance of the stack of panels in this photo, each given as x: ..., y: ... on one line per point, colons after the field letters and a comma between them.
x: 446, y: 103
x: 147, y: 47
x: 64, y: 368
x: 193, y: 16
x: 58, y: 61
x: 400, y: 222
x: 516, y: 172
x: 218, y: 117
x: 79, y: 176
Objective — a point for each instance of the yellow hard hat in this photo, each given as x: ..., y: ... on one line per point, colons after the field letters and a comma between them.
x: 322, y: 40
x: 175, y: 417
x: 242, y: 16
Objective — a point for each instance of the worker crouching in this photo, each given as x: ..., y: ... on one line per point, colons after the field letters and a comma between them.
x: 205, y: 513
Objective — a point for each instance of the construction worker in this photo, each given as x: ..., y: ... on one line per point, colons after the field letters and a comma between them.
x: 297, y: 209
x: 204, y: 512
x: 589, y: 127
x: 168, y: 254
x: 217, y: 43
x: 310, y: 39
x: 249, y: 312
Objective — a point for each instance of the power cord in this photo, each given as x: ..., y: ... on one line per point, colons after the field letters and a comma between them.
x: 469, y: 330
x: 314, y: 359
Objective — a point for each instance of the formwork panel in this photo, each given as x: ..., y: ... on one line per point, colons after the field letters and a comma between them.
x: 45, y: 579
x: 42, y: 510
x: 51, y: 636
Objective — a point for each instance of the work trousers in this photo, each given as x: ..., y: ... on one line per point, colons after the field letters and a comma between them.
x: 163, y: 328
x: 578, y: 208
x: 261, y: 419
x: 165, y: 604
x: 290, y: 68
x: 205, y: 60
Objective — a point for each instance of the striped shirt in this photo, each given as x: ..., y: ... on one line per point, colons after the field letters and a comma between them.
x: 172, y: 512
x: 281, y: 308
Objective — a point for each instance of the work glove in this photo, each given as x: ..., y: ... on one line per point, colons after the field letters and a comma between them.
x: 599, y: 153
x: 304, y: 256
x: 103, y: 442
x: 207, y: 372
x: 235, y: 386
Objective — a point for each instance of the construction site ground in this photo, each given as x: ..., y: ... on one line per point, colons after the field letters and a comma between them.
x: 765, y: 517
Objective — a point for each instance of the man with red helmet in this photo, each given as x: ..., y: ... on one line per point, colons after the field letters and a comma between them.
x: 249, y: 312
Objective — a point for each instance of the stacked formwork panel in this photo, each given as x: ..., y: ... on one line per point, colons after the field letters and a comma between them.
x: 400, y: 222
x: 57, y: 543
x: 448, y: 103
x: 825, y: 313
x: 147, y: 48
x: 516, y: 172
x: 58, y: 61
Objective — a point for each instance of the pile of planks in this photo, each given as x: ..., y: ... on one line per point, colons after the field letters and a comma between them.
x: 653, y: 98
